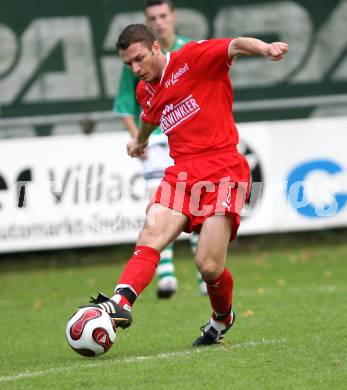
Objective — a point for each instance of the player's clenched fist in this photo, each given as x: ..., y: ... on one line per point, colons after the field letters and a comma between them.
x: 275, y: 51
x: 136, y: 149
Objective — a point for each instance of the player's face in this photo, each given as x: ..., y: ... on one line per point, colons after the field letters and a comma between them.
x: 161, y: 20
x: 143, y: 61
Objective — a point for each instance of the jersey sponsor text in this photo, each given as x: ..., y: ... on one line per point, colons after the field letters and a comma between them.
x: 174, y: 115
x: 176, y: 76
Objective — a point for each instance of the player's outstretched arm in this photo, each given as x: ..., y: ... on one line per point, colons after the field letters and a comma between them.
x: 274, y: 51
x: 137, y: 146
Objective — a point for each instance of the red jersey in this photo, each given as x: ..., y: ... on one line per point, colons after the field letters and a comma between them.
x: 192, y: 101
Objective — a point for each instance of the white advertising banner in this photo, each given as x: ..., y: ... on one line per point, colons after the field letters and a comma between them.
x: 302, y: 165
x: 70, y: 191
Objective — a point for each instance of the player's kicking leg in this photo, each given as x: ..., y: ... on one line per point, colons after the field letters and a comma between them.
x: 210, y: 259
x: 162, y: 227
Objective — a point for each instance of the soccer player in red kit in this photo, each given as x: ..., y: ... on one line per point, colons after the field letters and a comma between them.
x: 189, y: 94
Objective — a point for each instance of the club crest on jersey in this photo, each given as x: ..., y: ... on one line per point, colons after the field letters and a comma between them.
x: 176, y: 76
x: 174, y: 115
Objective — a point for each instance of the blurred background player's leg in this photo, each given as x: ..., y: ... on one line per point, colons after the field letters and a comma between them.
x: 154, y: 167
x: 167, y: 281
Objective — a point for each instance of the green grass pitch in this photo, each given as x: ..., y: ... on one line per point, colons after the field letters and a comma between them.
x: 290, y: 297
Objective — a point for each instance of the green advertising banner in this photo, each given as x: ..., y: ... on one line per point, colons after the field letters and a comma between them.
x: 59, y: 57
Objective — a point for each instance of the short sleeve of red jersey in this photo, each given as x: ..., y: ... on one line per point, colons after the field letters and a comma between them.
x: 210, y: 57
x: 143, y: 96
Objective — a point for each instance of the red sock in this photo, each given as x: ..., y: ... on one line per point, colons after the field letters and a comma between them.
x: 140, y: 269
x: 220, y: 294
x: 123, y: 300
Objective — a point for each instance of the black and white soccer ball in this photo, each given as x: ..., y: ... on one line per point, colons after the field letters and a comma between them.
x: 90, y: 332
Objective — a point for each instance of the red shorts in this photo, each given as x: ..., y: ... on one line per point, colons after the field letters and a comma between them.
x: 205, y: 185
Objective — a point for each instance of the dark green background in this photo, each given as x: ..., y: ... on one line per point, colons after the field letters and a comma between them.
x: 18, y: 14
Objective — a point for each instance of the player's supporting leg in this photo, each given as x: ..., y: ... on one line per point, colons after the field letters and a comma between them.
x: 167, y: 283
x: 193, y: 239
x: 210, y: 259
x: 162, y: 226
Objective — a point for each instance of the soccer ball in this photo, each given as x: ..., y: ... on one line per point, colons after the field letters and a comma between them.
x: 90, y: 332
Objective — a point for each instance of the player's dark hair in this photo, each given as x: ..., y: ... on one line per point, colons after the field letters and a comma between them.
x: 135, y: 33
x: 151, y: 3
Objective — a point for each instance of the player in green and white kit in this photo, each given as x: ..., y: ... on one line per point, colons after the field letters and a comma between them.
x: 161, y: 18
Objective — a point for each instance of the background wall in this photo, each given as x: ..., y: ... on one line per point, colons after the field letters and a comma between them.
x: 59, y: 57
